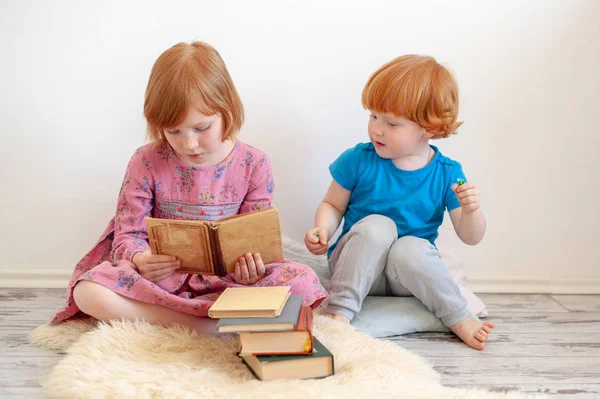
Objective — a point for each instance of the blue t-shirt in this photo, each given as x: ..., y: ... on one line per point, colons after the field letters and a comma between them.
x: 415, y: 200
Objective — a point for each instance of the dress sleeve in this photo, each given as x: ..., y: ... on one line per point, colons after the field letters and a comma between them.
x: 260, y: 187
x: 136, y: 201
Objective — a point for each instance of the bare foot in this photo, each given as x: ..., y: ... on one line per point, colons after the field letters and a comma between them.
x: 473, y: 332
x: 339, y: 318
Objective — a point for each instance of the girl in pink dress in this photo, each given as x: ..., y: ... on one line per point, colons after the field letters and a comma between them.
x: 194, y: 168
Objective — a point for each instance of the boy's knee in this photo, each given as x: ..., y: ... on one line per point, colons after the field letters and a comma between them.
x: 406, y: 253
x: 377, y: 229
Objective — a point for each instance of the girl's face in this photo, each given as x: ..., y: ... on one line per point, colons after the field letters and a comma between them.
x: 197, y: 140
x: 394, y: 137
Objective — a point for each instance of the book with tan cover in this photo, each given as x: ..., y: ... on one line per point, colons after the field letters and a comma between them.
x: 213, y: 248
x: 296, y: 342
x: 250, y: 302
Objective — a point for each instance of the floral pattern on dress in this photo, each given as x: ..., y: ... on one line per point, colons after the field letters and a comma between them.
x: 158, y: 193
x: 228, y: 194
x: 124, y: 184
x: 165, y: 153
x: 144, y: 187
x: 248, y: 161
x: 184, y: 178
x: 270, y: 185
x: 126, y: 280
x: 206, y: 196
x: 147, y: 164
x: 259, y: 205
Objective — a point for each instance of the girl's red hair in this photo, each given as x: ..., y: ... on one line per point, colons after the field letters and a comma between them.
x: 190, y: 75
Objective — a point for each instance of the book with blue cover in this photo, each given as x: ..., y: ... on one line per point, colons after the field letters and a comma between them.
x: 286, y: 321
x: 319, y: 364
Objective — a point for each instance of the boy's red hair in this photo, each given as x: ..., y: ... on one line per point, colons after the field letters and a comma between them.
x: 417, y: 88
x: 190, y: 75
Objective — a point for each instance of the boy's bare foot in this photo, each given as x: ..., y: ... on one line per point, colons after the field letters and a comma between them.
x: 473, y: 332
x: 339, y: 318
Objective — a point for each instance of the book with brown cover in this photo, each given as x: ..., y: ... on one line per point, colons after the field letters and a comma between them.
x: 297, y: 342
x: 213, y: 248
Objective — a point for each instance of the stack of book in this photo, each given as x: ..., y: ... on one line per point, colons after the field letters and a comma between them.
x: 275, y: 330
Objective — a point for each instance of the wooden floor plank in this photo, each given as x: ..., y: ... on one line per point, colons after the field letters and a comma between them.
x: 530, y: 370
x: 520, y: 303
x: 503, y: 345
x: 21, y: 392
x: 575, y: 391
x: 579, y: 303
x: 27, y: 318
x: 39, y: 298
x: 15, y: 343
x: 25, y: 372
x: 546, y: 323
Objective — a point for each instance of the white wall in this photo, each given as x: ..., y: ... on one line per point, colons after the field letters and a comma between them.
x: 73, y: 74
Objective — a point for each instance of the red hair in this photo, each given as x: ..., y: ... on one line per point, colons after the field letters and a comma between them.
x: 418, y: 88
x: 190, y: 75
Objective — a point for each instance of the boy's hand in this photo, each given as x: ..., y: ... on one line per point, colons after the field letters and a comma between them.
x: 249, y: 269
x: 155, y: 267
x: 468, y: 196
x: 315, y: 240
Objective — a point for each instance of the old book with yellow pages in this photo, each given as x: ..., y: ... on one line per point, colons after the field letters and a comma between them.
x: 319, y: 364
x: 213, y: 248
x: 296, y: 342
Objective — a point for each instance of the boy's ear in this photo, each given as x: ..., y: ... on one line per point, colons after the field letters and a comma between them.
x: 427, y: 134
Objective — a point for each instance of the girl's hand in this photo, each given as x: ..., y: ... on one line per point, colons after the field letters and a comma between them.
x: 249, y: 269
x: 155, y: 267
x: 315, y: 240
x: 468, y: 196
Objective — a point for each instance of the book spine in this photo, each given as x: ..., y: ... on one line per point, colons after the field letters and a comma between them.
x: 219, y: 268
x: 250, y: 368
x: 152, y: 240
x: 305, y: 323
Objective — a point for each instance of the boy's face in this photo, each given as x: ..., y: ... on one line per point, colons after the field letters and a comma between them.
x: 394, y: 137
x: 197, y: 140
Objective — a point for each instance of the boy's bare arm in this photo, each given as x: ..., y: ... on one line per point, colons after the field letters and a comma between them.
x: 327, y: 218
x: 332, y: 209
x: 470, y: 227
x: 468, y: 220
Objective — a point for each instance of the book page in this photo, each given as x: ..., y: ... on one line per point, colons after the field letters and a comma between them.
x: 190, y: 243
x: 250, y: 233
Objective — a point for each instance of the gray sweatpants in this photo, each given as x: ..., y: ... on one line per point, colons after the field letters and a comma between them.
x: 371, y: 260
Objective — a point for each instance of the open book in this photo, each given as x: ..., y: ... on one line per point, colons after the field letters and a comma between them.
x: 213, y: 248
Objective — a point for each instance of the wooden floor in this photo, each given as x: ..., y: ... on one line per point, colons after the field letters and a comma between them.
x: 542, y: 343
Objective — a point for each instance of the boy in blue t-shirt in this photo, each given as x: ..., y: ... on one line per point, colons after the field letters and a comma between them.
x: 392, y: 193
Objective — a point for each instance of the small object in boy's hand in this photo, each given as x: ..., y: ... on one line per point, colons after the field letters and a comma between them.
x: 316, y: 235
x: 460, y: 181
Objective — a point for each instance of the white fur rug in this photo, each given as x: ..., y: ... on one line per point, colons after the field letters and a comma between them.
x: 138, y: 360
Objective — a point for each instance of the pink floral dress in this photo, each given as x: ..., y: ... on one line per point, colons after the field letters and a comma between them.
x: 158, y: 184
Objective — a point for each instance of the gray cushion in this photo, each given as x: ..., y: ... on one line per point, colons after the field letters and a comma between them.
x: 379, y: 316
